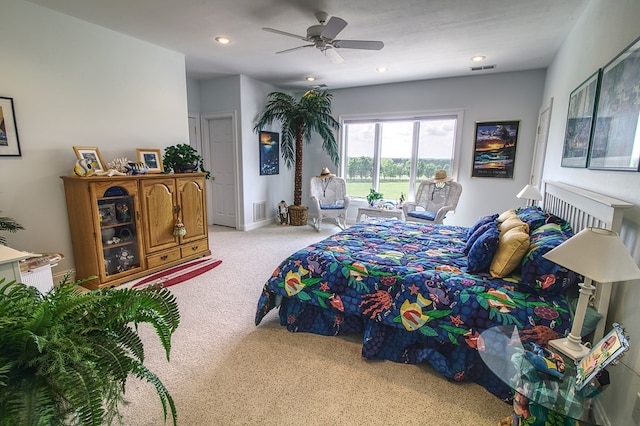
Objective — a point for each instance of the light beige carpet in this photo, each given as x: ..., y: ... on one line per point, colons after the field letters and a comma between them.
x: 226, y: 371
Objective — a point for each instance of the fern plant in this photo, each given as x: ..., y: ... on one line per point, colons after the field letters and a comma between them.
x: 8, y: 224
x: 65, y: 356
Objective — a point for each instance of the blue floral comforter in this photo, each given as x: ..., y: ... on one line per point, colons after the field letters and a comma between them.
x: 406, y: 288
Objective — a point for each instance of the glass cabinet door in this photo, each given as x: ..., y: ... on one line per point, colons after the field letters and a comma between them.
x: 119, y: 234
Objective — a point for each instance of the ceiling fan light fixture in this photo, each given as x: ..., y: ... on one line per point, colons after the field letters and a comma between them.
x: 223, y: 40
x: 310, y: 78
x: 478, y: 58
x: 382, y: 69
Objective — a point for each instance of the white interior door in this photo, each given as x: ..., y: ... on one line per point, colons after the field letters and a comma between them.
x: 219, y: 146
x: 540, y: 149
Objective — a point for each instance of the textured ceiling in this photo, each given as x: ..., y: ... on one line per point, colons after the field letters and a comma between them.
x: 423, y: 39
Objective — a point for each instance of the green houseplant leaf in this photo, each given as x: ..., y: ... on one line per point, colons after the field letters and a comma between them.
x: 65, y: 356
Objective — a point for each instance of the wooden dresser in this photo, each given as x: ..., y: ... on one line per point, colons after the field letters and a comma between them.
x: 122, y: 227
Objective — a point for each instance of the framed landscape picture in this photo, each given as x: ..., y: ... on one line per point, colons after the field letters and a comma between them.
x: 92, y: 154
x: 615, y: 143
x: 152, y: 158
x: 577, y: 135
x: 9, y: 143
x: 495, y: 149
x: 269, y: 143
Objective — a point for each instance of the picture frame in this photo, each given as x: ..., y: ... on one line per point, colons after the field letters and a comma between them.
x: 9, y: 141
x: 607, y: 350
x: 494, y: 150
x: 269, y: 145
x: 91, y: 153
x: 152, y: 158
x: 580, y: 119
x: 615, y: 144
x: 107, y: 214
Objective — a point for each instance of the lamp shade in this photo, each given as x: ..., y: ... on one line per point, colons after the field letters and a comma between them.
x: 598, y: 254
x: 530, y: 192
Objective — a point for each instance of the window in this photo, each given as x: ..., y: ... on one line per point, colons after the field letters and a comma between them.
x: 393, y: 155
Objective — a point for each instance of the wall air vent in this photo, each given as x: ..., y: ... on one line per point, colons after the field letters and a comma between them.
x: 259, y: 211
x: 482, y: 68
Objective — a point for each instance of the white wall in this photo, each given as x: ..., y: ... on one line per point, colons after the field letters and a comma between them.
x: 604, y: 30
x: 502, y: 96
x: 74, y: 83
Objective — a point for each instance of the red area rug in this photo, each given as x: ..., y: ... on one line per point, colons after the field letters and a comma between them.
x: 180, y: 273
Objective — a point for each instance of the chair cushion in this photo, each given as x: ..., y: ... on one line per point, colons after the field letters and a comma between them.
x: 331, y: 206
x: 422, y: 215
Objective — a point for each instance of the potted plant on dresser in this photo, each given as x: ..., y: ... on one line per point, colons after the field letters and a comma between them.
x: 300, y: 119
x: 183, y: 158
x: 65, y: 356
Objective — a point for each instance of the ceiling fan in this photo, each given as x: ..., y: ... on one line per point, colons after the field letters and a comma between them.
x: 323, y: 37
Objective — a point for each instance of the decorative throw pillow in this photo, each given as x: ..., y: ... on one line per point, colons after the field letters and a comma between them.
x: 540, y: 275
x: 513, y: 222
x: 512, y: 246
x: 506, y: 215
x: 535, y: 218
x: 483, y: 250
x: 479, y: 232
x: 482, y: 221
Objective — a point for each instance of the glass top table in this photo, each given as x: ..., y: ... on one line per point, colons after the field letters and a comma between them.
x: 503, y: 353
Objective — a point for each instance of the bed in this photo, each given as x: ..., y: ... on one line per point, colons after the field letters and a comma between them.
x: 424, y: 293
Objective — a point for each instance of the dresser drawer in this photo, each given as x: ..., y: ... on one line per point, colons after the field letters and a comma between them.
x: 162, y: 258
x: 194, y: 248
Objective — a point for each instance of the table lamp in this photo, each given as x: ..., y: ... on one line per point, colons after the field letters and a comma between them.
x: 530, y: 193
x: 598, y: 255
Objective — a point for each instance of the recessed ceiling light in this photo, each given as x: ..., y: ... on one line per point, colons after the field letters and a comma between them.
x: 223, y: 40
x: 310, y: 78
x: 381, y: 69
x: 478, y: 58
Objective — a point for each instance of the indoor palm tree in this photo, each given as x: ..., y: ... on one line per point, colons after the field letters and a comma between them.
x: 300, y: 119
x: 65, y: 355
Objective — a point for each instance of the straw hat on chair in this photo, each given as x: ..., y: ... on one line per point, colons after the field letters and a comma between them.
x: 325, y: 173
x: 441, y: 176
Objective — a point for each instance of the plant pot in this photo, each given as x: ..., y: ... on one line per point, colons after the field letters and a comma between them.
x: 298, y: 215
x: 190, y: 168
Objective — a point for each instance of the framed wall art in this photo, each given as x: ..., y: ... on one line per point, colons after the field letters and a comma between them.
x: 152, y: 158
x: 495, y: 149
x: 91, y: 153
x: 269, y: 143
x: 615, y: 143
x: 580, y: 118
x: 9, y: 143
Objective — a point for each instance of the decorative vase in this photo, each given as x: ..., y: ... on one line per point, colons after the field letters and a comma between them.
x: 107, y: 234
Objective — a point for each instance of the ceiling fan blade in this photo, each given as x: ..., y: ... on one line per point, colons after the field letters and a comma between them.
x: 296, y: 48
x: 273, y: 30
x: 333, y: 26
x: 333, y: 55
x: 358, y: 44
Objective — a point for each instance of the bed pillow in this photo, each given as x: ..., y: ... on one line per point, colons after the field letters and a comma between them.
x: 482, y: 221
x: 506, y: 215
x: 482, y: 252
x: 513, y: 222
x: 479, y: 232
x: 535, y: 218
x: 542, y: 276
x: 512, y: 246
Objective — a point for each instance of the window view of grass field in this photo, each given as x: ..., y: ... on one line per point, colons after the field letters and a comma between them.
x: 394, y: 156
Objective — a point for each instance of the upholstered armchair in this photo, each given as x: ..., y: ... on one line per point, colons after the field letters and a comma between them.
x: 433, y: 201
x: 330, y: 199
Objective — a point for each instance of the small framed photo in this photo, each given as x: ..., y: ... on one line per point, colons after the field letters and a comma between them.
x: 610, y: 348
x: 152, y: 158
x: 91, y: 153
x: 494, y: 151
x: 107, y: 214
x: 9, y: 143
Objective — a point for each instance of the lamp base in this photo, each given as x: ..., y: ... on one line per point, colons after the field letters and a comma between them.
x: 573, y: 350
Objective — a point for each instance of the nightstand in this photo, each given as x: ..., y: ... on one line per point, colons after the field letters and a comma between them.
x: 536, y: 394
